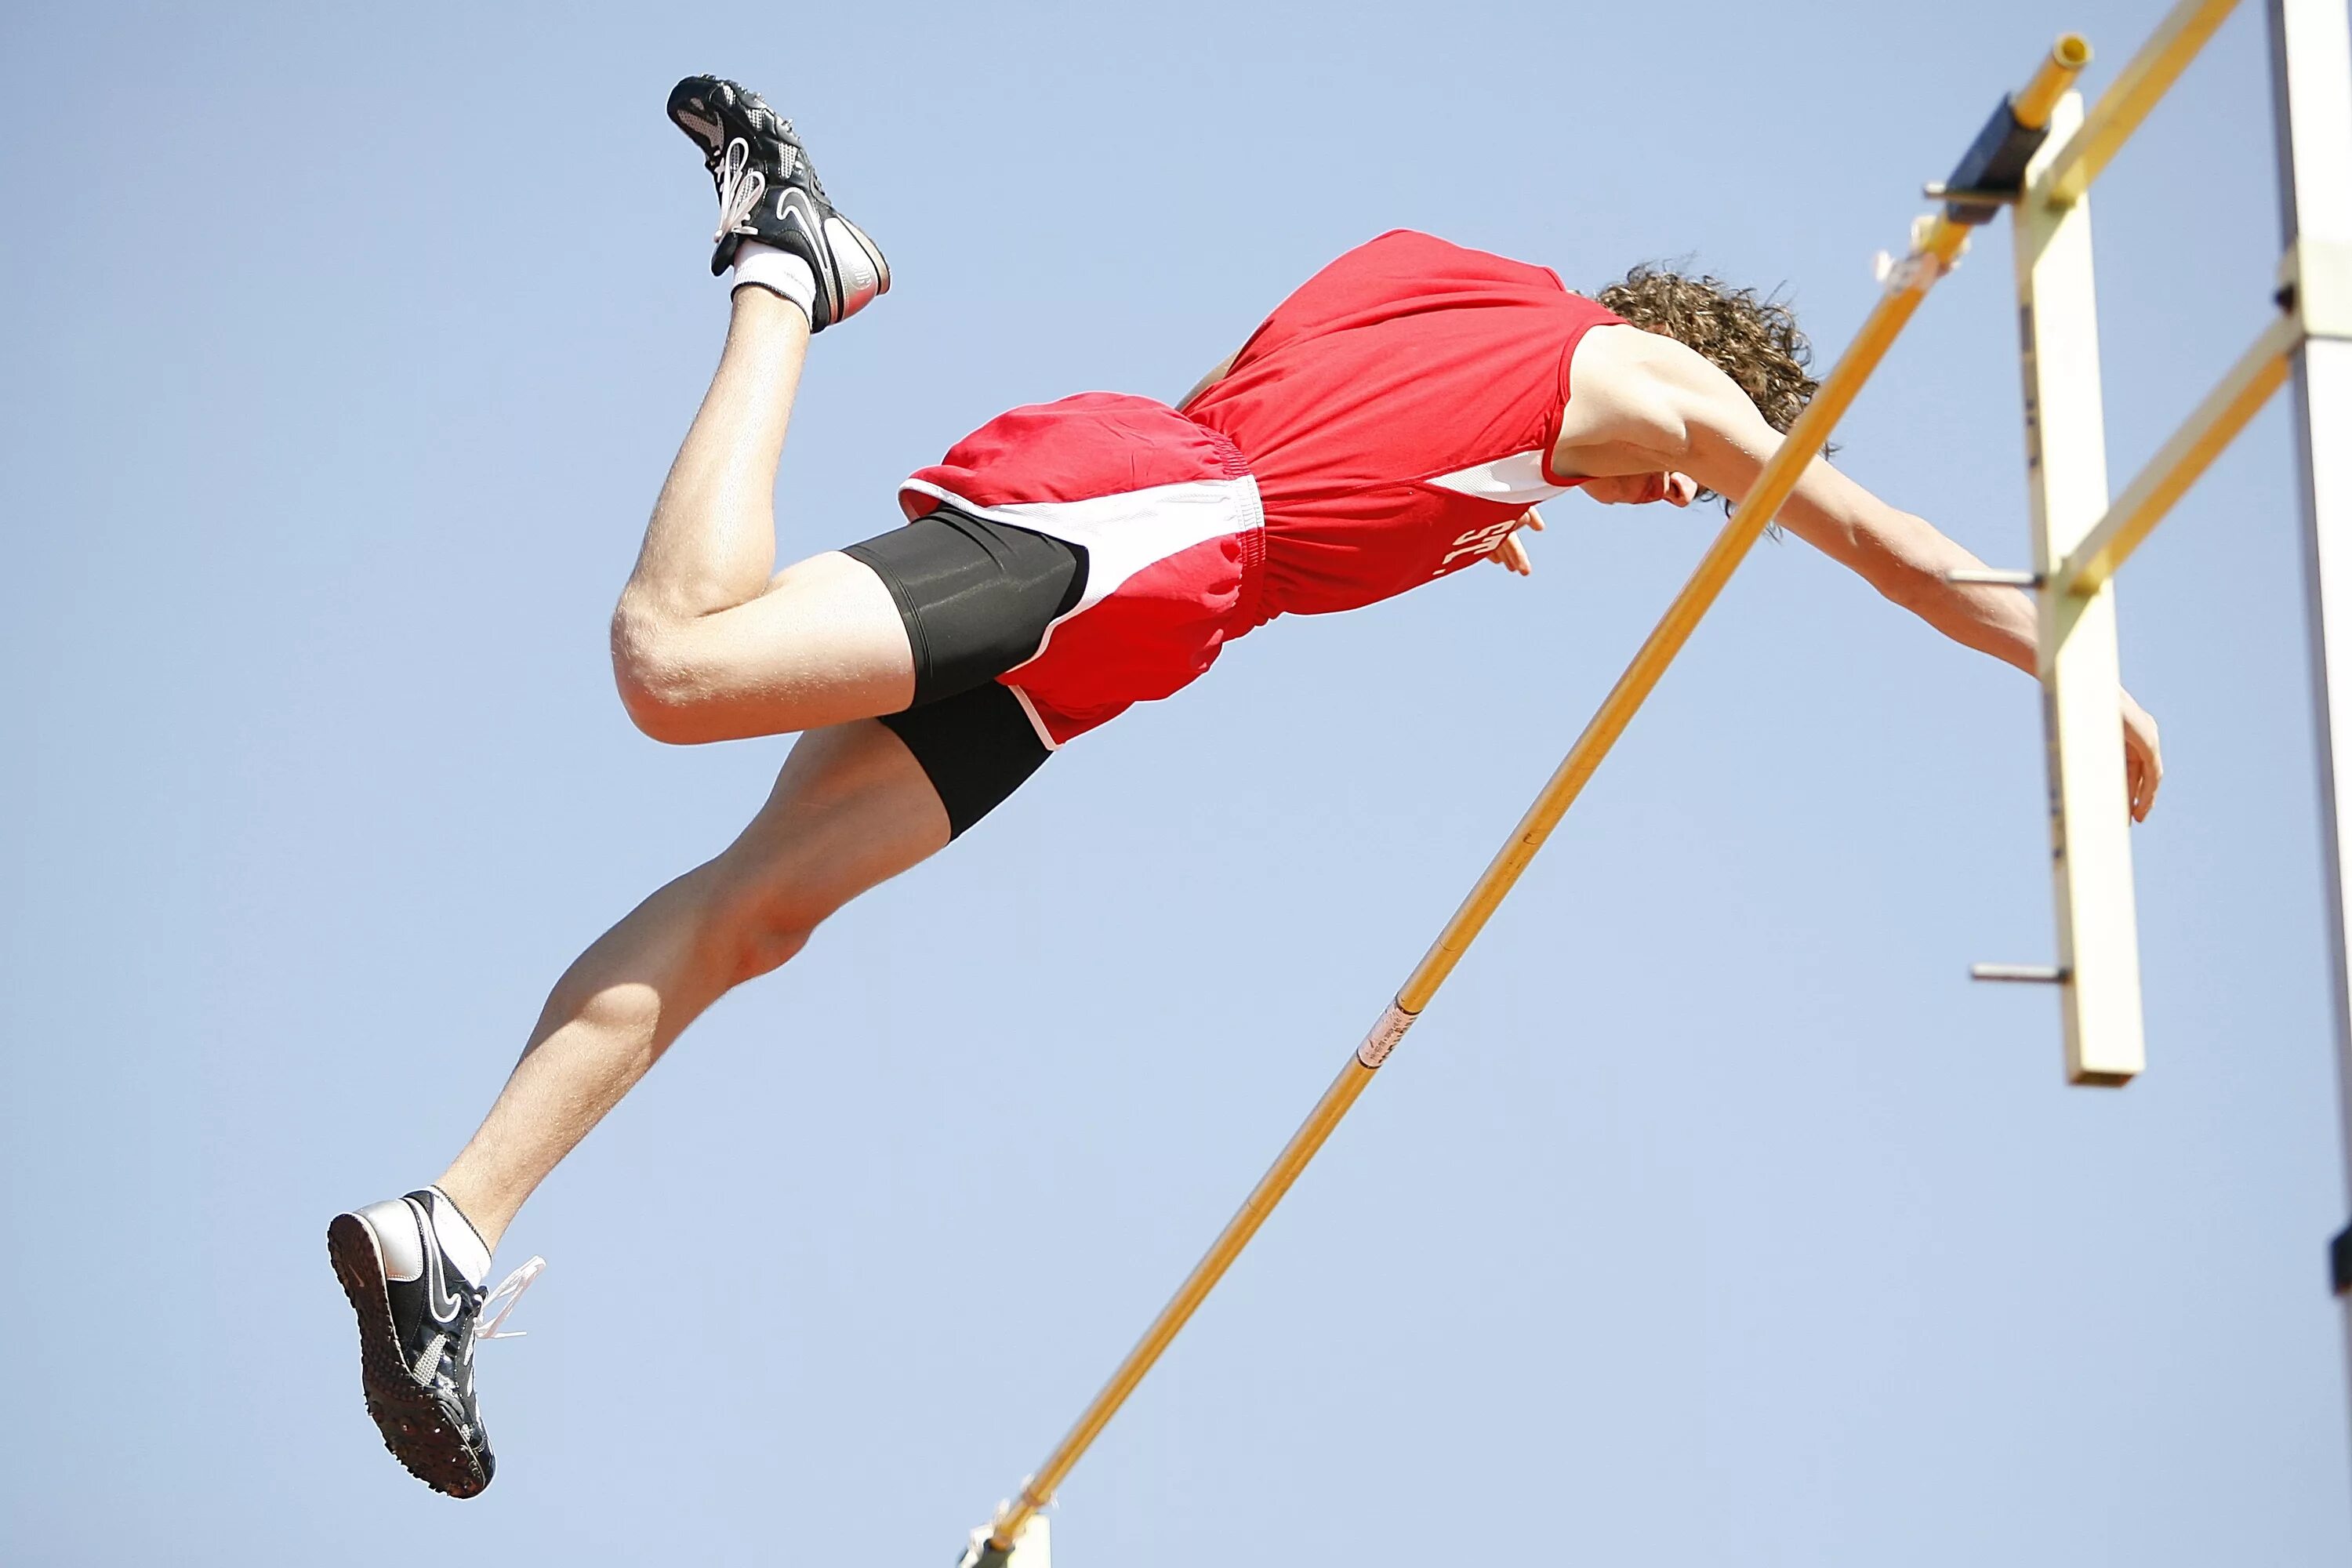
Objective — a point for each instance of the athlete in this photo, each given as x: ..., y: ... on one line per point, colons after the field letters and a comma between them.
x: 1395, y: 421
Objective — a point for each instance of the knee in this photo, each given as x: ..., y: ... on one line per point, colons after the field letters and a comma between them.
x: 764, y: 949
x: 764, y: 929
x: 655, y: 678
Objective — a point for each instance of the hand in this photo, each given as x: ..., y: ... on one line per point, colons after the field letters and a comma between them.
x: 2143, y: 763
x: 1511, y: 554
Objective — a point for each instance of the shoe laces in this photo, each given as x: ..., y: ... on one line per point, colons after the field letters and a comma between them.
x: 741, y: 186
x: 508, y: 1291
x: 502, y: 1296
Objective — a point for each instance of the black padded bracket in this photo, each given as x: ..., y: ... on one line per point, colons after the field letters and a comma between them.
x: 2340, y: 1261
x: 1991, y: 174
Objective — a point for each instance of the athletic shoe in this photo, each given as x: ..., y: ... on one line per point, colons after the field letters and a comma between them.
x: 412, y: 1269
x: 769, y: 192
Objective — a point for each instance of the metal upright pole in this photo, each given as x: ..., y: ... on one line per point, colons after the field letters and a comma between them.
x: 2081, y: 693
x: 2311, y: 85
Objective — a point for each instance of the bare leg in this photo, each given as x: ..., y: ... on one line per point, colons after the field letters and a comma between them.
x: 707, y: 645
x: 851, y: 809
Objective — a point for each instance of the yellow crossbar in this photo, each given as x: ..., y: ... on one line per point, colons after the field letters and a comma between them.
x: 1932, y: 255
x: 2034, y: 103
x: 1935, y: 253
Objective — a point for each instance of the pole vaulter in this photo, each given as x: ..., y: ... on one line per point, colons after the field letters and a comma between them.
x: 1396, y: 419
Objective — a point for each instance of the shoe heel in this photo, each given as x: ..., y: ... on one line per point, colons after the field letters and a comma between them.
x: 873, y: 254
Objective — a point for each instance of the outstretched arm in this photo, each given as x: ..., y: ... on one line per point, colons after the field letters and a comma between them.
x: 1904, y: 557
x: 1709, y: 429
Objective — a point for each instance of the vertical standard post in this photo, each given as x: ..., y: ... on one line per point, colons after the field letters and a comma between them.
x: 2066, y: 470
x: 2311, y: 88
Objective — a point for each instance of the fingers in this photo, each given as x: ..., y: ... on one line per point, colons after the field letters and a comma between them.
x: 2143, y: 758
x: 1510, y: 554
x: 2143, y: 771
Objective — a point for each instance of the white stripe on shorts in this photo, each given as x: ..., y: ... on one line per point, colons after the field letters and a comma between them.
x: 1123, y: 533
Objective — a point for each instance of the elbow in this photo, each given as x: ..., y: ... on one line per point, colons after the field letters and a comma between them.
x: 1905, y: 574
x: 1904, y: 589
x: 1912, y: 587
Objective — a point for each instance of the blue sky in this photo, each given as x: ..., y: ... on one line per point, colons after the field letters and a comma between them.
x: 1710, y: 1216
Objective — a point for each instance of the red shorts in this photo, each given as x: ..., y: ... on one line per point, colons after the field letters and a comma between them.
x: 1169, y: 518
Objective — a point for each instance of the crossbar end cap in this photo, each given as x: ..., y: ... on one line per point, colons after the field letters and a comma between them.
x: 1034, y: 1548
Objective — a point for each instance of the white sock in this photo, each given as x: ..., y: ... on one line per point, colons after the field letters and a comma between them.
x: 460, y: 1242
x: 777, y: 271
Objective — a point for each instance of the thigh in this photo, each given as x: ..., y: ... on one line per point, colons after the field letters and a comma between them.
x: 926, y: 612
x: 851, y: 808
x: 976, y: 747
x: 977, y: 595
x: 823, y: 645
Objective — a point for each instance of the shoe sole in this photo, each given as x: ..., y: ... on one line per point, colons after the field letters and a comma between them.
x: 716, y: 117
x: 701, y: 86
x: 411, y: 1420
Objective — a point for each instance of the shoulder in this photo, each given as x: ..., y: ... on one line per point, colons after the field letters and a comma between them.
x: 1638, y: 397
x: 1623, y: 386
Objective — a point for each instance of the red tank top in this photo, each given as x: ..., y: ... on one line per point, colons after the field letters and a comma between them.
x: 1398, y: 412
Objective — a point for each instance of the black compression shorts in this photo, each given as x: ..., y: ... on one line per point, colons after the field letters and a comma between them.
x: 976, y: 596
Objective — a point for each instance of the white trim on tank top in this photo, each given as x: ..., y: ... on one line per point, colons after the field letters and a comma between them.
x: 1516, y: 481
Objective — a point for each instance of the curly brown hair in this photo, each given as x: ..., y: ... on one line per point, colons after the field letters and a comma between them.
x: 1753, y: 338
